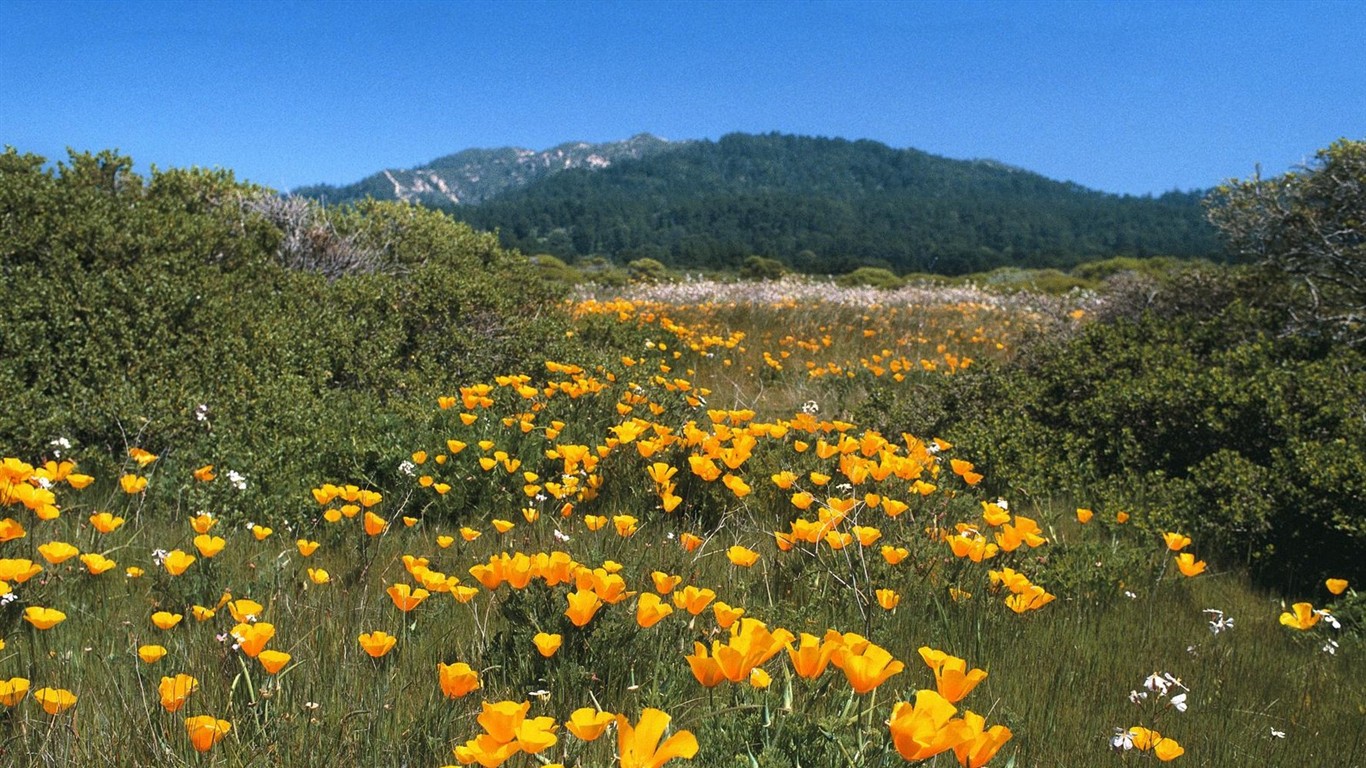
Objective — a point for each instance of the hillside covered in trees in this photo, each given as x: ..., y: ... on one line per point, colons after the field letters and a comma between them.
x: 828, y: 206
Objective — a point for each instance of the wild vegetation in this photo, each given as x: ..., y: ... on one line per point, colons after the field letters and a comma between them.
x: 291, y: 485
x: 821, y: 206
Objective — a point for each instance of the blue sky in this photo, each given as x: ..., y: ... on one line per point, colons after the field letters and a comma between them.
x: 1133, y: 97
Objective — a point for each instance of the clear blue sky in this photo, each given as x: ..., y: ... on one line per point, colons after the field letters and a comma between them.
x: 1134, y: 97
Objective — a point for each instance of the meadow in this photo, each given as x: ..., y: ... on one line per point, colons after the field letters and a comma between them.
x: 686, y: 553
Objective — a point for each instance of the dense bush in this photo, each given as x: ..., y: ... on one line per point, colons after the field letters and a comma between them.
x: 1187, y: 404
x: 133, y: 302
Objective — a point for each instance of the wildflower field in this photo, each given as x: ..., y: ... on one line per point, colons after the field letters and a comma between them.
x: 686, y: 551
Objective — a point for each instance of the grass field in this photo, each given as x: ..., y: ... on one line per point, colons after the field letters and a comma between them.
x: 713, y: 544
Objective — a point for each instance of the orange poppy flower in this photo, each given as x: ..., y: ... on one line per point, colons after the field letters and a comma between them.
x: 273, y: 661
x: 457, y: 679
x: 547, y: 644
x: 175, y: 691
x: 55, y: 700
x: 205, y: 731
x: 377, y: 643
x: 43, y: 618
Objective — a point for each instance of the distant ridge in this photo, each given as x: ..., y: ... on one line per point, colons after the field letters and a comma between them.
x: 472, y: 176
x: 821, y: 205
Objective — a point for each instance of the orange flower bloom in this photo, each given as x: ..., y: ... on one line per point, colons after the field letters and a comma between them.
x: 456, y: 680
x: 1188, y: 565
x: 1175, y: 541
x: 13, y: 690
x: 43, y: 618
x: 55, y: 700
x: 151, y: 654
x: 1336, y: 586
x: 377, y: 643
x: 405, y: 597
x: 650, y: 610
x: 1304, y: 616
x: 204, y: 474
x: 742, y: 556
x: 306, y: 547
x: 587, y: 723
x: 924, y: 730
x: 547, y: 644
x: 252, y: 638
x: 96, y: 563
x: 105, y: 522
x: 175, y: 691
x: 692, y: 599
x: 868, y: 668
x: 56, y: 552
x: 273, y: 661
x: 639, y: 745
x: 583, y: 605
x: 166, y: 619
x: 176, y: 562
x: 811, y: 656
x: 206, y: 731
x: 132, y: 484
x: 374, y: 524
x: 209, y: 546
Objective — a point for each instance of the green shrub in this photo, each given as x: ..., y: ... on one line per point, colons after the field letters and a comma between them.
x: 873, y: 277
x: 1211, y: 422
x: 135, y: 301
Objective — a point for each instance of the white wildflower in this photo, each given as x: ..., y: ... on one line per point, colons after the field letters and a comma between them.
x: 1331, y: 647
x: 1156, y: 683
x: 238, y: 480
x: 1122, y: 740
x: 407, y: 468
x: 1179, y: 702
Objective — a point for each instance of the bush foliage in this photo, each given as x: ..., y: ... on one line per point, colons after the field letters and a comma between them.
x: 307, y: 336
x: 1186, y: 401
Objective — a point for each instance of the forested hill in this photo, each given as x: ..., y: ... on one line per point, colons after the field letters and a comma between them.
x: 828, y: 206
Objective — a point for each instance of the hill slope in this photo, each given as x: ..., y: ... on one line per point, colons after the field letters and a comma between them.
x: 827, y: 206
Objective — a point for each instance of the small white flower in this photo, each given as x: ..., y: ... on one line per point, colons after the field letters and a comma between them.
x: 1329, y: 618
x: 159, y: 556
x: 1156, y: 683
x: 45, y: 483
x: 407, y: 468
x: 1275, y: 734
x: 1003, y: 504
x: 1175, y: 681
x: 1130, y: 595
x: 201, y: 412
x: 8, y: 598
x: 1137, y: 697
x: 1331, y: 647
x: 1179, y: 702
x: 238, y: 480
x: 1219, y: 622
x: 561, y: 535
x: 1122, y: 740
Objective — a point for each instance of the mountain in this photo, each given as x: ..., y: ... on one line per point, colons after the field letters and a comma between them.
x: 475, y: 175
x: 816, y: 204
